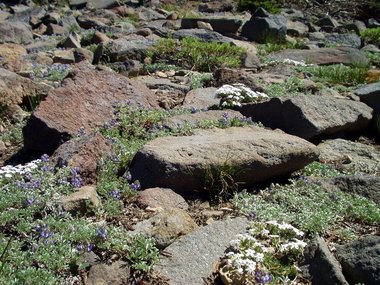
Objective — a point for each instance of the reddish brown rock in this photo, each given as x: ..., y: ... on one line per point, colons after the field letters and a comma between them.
x: 84, y: 153
x: 86, y: 100
x: 161, y: 197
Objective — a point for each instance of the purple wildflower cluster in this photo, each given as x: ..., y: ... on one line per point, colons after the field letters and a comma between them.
x: 45, y: 162
x: 45, y: 234
x: 102, y: 232
x: 45, y: 71
x: 76, y: 181
x: 263, y: 278
x: 116, y: 194
x: 86, y: 247
x: 135, y: 185
x: 81, y: 132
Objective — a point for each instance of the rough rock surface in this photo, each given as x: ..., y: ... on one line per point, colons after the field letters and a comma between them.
x: 83, y: 153
x: 220, y: 25
x: 161, y: 198
x: 11, y: 56
x: 322, y: 266
x: 370, y: 94
x: 201, y: 98
x: 15, y: 32
x: 116, y: 273
x: 310, y: 116
x: 180, y: 163
x: 345, y: 55
x: 360, y: 260
x: 167, y: 226
x: 193, y: 256
x: 88, y: 97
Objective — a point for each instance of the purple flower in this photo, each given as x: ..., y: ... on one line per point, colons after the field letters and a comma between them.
x: 193, y: 110
x: 81, y: 132
x: 79, y: 247
x: 45, y: 233
x: 76, y: 181
x: 89, y: 247
x: 127, y: 176
x: 45, y: 158
x: 116, y: 194
x: 263, y: 278
x: 251, y: 216
x: 45, y: 168
x: 29, y: 201
x: 136, y: 185
x: 102, y: 232
x: 224, y: 119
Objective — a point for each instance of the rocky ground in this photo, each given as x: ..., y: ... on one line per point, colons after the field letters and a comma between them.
x: 133, y: 150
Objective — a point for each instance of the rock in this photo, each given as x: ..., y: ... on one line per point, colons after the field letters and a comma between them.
x: 199, y: 118
x: 81, y: 54
x: 161, y: 198
x: 204, y: 25
x: 147, y: 14
x: 251, y: 59
x: 72, y: 41
x: 83, y: 152
x: 180, y: 163
x: 53, y: 29
x: 201, y: 98
x: 356, y: 156
x: 263, y: 29
x: 230, y: 76
x: 80, y: 202
x: 201, y: 34
x: 199, y: 251
x: 323, y: 268
x: 116, y: 273
x: 216, y: 6
x: 16, y: 90
x: 345, y: 55
x: 327, y: 22
x: 86, y: 22
x: 77, y: 4
x: 370, y: 94
x: 100, y: 38
x: 64, y: 56
x: 311, y: 117
x: 360, y: 260
x: 15, y: 32
x: 167, y: 226
x: 122, y: 49
x: 296, y: 29
x: 102, y: 4
x: 363, y: 185
x: 220, y: 25
x: 347, y: 40
x: 12, y: 56
x: 89, y: 97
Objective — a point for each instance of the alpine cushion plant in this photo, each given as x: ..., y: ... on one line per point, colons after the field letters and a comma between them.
x: 267, y: 252
x: 236, y: 94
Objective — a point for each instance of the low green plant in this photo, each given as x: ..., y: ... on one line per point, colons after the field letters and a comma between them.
x: 196, y: 54
x: 318, y: 169
x: 338, y: 74
x: 271, y: 46
x: 180, y: 11
x: 374, y: 58
x: 291, y: 86
x: 200, y: 80
x: 251, y: 5
x: 371, y: 35
x: 13, y: 133
x: 308, y: 206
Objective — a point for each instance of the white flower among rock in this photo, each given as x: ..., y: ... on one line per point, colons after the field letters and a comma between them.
x: 236, y: 94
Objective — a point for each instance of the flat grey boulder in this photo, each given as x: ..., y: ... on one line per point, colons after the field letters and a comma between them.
x: 191, y: 258
x: 15, y: 32
x: 201, y: 98
x: 345, y: 55
x: 201, y: 34
x: 370, y: 94
x: 180, y: 163
x: 310, y: 116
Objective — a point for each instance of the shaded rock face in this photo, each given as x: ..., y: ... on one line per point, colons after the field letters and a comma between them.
x: 180, y: 163
x: 89, y: 97
x: 370, y: 94
x: 15, y: 89
x: 345, y: 55
x: 192, y: 257
x: 360, y: 260
x: 83, y: 153
x: 262, y: 29
x: 201, y: 34
x: 310, y: 116
x: 321, y: 264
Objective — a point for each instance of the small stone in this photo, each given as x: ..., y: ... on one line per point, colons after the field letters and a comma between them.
x: 161, y: 197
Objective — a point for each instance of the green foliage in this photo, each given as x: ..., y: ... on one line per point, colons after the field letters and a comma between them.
x: 308, y: 206
x: 374, y: 58
x: 339, y: 74
x: 200, y: 80
x: 317, y: 169
x: 371, y: 35
x: 269, y: 47
x: 272, y: 7
x: 291, y: 86
x: 180, y: 11
x: 196, y: 54
x: 13, y: 133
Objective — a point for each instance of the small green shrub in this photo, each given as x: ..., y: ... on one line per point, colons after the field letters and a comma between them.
x: 371, y: 35
x: 272, y: 7
x: 200, y: 80
x: 290, y: 87
x: 339, y: 74
x: 196, y: 54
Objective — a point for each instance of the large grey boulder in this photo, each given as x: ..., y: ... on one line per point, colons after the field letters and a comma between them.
x: 345, y: 55
x: 360, y: 260
x: 263, y: 29
x: 86, y: 101
x: 180, y: 163
x: 15, y: 32
x: 370, y: 94
x: 218, y: 24
x: 310, y: 116
x: 190, y: 260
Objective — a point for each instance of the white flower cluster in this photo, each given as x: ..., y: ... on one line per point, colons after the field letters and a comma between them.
x: 294, y: 62
x: 234, y: 95
x: 9, y: 171
x: 263, y: 241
